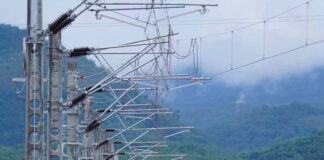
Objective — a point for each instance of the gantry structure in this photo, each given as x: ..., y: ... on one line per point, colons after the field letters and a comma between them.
x: 77, y: 126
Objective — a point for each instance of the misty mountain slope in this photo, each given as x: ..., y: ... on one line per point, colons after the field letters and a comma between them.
x: 215, y: 102
x: 248, y: 117
x: 305, y: 87
x: 12, y: 106
x: 308, y: 148
x: 227, y: 120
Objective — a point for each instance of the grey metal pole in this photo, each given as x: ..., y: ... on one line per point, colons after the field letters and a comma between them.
x: 105, y: 150
x: 54, y: 138
x: 33, y: 51
x: 96, y: 139
x: 72, y: 114
x: 87, y: 137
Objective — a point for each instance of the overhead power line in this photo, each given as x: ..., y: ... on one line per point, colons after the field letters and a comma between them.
x: 266, y: 58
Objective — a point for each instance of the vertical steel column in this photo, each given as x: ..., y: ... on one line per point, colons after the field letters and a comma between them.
x: 96, y: 139
x: 72, y: 114
x: 54, y: 141
x: 108, y: 148
x: 87, y: 137
x: 33, y: 51
x: 112, y: 150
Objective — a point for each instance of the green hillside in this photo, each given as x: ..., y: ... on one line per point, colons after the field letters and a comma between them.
x: 250, y: 127
x: 309, y: 148
x: 222, y: 132
x: 12, y: 100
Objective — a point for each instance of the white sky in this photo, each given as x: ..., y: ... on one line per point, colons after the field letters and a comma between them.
x: 248, y: 44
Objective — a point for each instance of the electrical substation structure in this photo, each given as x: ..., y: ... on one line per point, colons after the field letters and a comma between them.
x: 123, y: 126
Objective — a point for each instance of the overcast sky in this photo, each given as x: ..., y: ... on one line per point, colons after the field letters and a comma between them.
x: 284, y: 33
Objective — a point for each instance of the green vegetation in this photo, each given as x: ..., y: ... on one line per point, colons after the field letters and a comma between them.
x: 309, y: 148
x: 250, y: 127
x: 7, y: 153
x: 228, y: 132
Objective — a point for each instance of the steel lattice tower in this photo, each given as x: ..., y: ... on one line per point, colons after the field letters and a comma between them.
x: 33, y: 50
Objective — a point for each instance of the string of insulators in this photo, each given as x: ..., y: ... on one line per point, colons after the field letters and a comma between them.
x: 81, y: 77
x: 62, y: 22
x: 106, y: 142
x: 77, y: 52
x: 103, y: 110
x: 77, y: 100
x: 112, y: 156
x: 93, y: 125
x: 99, y: 88
x: 118, y: 142
x: 110, y: 130
x: 102, y: 143
x: 83, y: 96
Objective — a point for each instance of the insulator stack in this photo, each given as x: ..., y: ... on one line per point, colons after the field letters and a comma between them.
x: 110, y: 130
x: 77, y: 100
x: 110, y: 157
x: 60, y: 23
x: 103, y: 143
x: 97, y: 89
x: 103, y: 110
x: 118, y: 142
x: 93, y: 125
x: 77, y: 52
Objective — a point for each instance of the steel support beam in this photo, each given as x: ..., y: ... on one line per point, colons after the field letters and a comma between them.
x: 96, y: 138
x: 72, y: 114
x: 33, y: 51
x: 87, y: 137
x: 54, y: 132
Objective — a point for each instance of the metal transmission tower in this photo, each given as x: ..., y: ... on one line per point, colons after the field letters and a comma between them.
x: 87, y: 139
x: 72, y: 114
x: 54, y: 133
x: 125, y: 126
x: 33, y: 51
x: 55, y: 100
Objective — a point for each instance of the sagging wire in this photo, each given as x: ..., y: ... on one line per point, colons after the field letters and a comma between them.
x: 267, y: 58
x: 264, y: 40
x: 307, y: 22
x: 232, y: 51
x: 268, y: 19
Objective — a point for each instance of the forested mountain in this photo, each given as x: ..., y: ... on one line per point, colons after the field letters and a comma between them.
x: 308, y: 148
x: 228, y: 122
